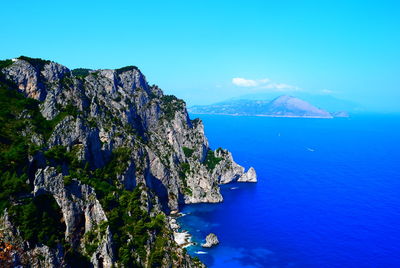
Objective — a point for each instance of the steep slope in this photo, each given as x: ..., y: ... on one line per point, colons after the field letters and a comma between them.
x: 291, y: 106
x: 329, y: 102
x: 283, y: 106
x: 111, y: 155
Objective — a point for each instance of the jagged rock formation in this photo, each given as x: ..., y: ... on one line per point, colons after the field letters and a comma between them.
x: 111, y: 155
x: 20, y: 252
x: 80, y: 208
x: 249, y: 176
x: 211, y: 240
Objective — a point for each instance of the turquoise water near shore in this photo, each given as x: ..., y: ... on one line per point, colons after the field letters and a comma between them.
x: 328, y: 193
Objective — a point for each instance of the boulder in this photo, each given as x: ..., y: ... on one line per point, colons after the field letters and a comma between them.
x: 211, y: 240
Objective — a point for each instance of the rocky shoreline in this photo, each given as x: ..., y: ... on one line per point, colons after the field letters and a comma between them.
x: 182, y: 237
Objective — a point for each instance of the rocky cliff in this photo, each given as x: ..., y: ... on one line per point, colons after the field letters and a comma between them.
x: 109, y: 157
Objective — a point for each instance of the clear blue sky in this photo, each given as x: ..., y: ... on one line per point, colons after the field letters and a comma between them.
x: 195, y: 49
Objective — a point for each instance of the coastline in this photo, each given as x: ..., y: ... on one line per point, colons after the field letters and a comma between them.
x: 265, y: 115
x: 182, y: 237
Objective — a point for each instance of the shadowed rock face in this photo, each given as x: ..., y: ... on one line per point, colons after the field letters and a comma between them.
x: 97, y: 114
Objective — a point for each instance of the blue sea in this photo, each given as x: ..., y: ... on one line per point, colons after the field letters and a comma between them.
x: 328, y: 193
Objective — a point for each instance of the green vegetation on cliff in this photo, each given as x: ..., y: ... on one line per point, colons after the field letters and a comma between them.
x: 126, y: 68
x: 187, y: 151
x: 20, y: 115
x: 17, y: 113
x: 5, y: 63
x: 39, y: 220
x: 45, y: 164
x: 127, y: 218
x: 171, y: 105
x: 80, y: 72
x: 211, y: 160
x: 36, y: 62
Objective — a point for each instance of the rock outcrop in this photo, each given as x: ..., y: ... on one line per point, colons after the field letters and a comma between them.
x: 249, y: 176
x: 211, y: 240
x: 113, y: 151
x: 81, y: 210
x: 16, y: 252
x: 118, y: 108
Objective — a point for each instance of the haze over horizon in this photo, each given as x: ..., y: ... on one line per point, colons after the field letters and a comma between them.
x: 206, y: 52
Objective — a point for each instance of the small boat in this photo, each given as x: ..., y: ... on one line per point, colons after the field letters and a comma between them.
x: 310, y: 149
x: 201, y: 252
x: 234, y: 188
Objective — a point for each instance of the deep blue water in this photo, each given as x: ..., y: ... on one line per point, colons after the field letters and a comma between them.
x: 328, y: 194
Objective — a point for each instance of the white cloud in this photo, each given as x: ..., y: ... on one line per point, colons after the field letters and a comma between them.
x: 243, y: 82
x: 263, y: 84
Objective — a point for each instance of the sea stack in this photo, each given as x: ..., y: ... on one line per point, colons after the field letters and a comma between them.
x: 211, y: 240
x: 249, y: 176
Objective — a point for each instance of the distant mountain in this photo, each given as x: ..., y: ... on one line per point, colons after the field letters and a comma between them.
x: 283, y: 106
x: 327, y: 102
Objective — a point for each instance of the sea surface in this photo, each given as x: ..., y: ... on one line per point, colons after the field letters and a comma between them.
x: 328, y: 193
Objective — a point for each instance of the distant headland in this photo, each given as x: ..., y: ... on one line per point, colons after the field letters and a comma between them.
x: 282, y: 106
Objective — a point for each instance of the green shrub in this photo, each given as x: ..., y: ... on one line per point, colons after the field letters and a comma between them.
x: 58, y: 153
x: 156, y: 223
x: 67, y: 180
x: 187, y: 191
x: 211, y: 160
x: 35, y: 62
x: 170, y: 105
x: 80, y: 72
x: 158, y: 252
x: 93, y: 237
x: 39, y: 220
x: 5, y: 63
x: 92, y: 123
x: 183, y: 171
x: 187, y: 151
x: 11, y: 186
x: 75, y: 259
x: 126, y: 68
x: 67, y: 82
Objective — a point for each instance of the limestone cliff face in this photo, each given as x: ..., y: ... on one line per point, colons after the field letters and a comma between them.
x: 101, y: 116
x: 80, y: 208
x: 118, y: 108
x: 20, y: 252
